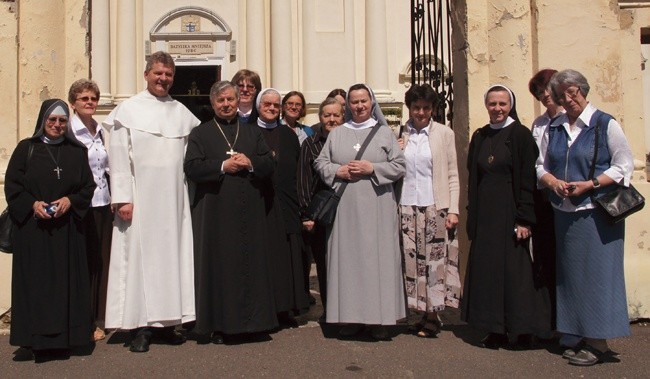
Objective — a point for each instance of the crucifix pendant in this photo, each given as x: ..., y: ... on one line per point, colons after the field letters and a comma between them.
x: 231, y: 152
x: 356, y: 147
x: 490, y: 159
x: 58, y: 172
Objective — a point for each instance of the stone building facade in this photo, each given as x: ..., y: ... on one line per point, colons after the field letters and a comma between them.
x: 317, y: 45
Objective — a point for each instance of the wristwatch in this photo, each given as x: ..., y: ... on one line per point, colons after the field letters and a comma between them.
x: 596, y: 182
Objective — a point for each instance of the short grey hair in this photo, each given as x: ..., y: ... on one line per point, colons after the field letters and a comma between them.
x: 329, y: 101
x: 570, y: 78
x: 222, y: 85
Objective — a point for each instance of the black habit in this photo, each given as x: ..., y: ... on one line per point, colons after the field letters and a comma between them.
x: 500, y: 293
x: 50, y: 288
x: 233, y: 287
x: 283, y: 221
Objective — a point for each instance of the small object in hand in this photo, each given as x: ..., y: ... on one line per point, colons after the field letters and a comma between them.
x: 50, y: 209
x: 571, y: 188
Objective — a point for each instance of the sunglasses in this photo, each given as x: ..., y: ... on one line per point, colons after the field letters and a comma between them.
x: 85, y: 99
x: 54, y: 119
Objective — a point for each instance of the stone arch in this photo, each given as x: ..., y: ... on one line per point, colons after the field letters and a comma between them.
x: 158, y: 32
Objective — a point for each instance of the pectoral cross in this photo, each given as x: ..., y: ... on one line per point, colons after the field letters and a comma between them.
x: 231, y: 152
x: 356, y: 147
x: 58, y: 172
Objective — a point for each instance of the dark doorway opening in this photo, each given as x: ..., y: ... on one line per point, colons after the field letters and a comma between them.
x: 192, y: 88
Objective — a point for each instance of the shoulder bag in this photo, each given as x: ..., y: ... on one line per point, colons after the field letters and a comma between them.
x: 323, y: 205
x: 620, y: 202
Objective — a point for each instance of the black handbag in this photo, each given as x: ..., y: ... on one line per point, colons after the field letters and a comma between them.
x: 620, y: 202
x: 6, y: 225
x: 323, y: 205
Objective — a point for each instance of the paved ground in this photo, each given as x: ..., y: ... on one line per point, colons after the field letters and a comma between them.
x: 315, y: 351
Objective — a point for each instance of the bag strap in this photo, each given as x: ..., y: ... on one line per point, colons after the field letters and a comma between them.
x: 365, y: 144
x: 30, y: 151
x: 599, y: 117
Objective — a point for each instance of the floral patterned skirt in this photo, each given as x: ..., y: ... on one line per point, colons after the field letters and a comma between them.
x: 430, y: 259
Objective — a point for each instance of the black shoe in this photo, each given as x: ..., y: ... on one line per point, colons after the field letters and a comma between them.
x: 379, y: 333
x: 287, y: 321
x: 525, y: 342
x: 217, y: 338
x: 350, y: 330
x: 141, y: 342
x: 494, y: 341
x: 23, y: 354
x: 171, y: 336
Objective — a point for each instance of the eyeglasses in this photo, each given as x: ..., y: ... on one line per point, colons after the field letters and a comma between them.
x: 85, y: 99
x: 291, y: 104
x: 249, y: 87
x: 571, y: 92
x: 54, y: 119
x: 268, y: 104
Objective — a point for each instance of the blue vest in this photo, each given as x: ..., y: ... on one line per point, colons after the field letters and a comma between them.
x: 572, y: 164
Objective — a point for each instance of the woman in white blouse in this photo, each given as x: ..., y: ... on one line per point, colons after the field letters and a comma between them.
x: 429, y: 212
x: 83, y: 97
x: 591, y: 302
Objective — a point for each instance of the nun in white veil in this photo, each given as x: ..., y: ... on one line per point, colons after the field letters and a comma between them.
x: 364, y: 280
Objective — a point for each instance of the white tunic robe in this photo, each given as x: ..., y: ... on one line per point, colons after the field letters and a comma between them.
x: 364, y: 270
x: 151, y: 274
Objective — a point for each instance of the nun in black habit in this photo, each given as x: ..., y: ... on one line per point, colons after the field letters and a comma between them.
x: 283, y: 214
x: 501, y: 295
x: 49, y: 187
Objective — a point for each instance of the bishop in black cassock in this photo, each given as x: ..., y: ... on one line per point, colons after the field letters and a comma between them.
x: 227, y: 162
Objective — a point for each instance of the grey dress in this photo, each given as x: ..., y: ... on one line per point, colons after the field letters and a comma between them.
x: 364, y: 278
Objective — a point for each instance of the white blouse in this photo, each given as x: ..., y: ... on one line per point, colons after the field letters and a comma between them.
x: 97, y: 159
x: 417, y: 187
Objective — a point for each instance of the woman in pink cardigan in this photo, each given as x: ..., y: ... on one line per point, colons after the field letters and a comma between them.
x: 429, y: 212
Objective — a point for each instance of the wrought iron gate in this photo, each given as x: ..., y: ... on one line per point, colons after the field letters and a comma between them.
x: 431, y: 52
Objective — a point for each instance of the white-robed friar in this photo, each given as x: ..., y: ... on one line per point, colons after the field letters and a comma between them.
x: 151, y: 277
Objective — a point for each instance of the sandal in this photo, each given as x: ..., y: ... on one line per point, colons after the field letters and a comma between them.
x: 98, y: 334
x: 415, y: 328
x: 431, y: 327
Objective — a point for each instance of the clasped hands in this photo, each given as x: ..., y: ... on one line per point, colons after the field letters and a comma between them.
x: 355, y: 170
x: 62, y: 206
x: 564, y: 189
x: 236, y: 163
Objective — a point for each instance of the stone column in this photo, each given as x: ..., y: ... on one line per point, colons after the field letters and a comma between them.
x: 100, y: 66
x: 256, y: 38
x: 126, y: 72
x: 281, y: 40
x: 376, y: 42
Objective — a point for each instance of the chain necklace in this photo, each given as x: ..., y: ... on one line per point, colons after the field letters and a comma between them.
x: 56, y: 161
x: 490, y: 158
x: 232, y: 151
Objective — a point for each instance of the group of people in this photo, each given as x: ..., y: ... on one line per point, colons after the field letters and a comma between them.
x: 543, y: 185
x: 210, y: 225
